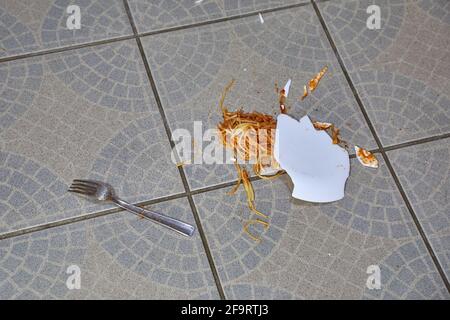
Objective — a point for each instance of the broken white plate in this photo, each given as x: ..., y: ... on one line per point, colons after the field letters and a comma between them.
x: 318, y: 168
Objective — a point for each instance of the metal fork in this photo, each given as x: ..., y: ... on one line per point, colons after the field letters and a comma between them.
x: 104, y: 192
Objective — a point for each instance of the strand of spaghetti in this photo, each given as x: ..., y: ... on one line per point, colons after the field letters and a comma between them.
x: 255, y: 221
x: 236, y: 187
x: 250, y: 194
x: 224, y: 94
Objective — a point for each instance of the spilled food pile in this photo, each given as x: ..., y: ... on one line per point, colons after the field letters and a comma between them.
x: 251, y: 137
x: 311, y: 153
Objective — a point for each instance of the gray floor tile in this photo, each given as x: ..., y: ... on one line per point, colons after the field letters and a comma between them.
x: 27, y: 26
x: 83, y: 113
x: 234, y: 7
x: 424, y: 172
x: 120, y: 257
x: 317, y: 251
x: 192, y: 67
x: 402, y: 71
x: 162, y: 14
x: 90, y: 113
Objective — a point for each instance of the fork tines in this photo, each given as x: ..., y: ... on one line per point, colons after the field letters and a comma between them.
x: 86, y: 187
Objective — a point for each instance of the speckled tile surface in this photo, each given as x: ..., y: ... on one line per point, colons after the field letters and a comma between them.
x: 191, y: 68
x: 83, y: 104
x: 424, y: 171
x: 162, y: 14
x: 35, y: 25
x: 119, y: 256
x: 317, y: 251
x: 402, y: 70
x: 80, y: 114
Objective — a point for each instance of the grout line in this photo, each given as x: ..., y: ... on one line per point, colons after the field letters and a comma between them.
x: 145, y: 203
x: 382, y: 150
x: 86, y: 216
x: 58, y: 223
x: 66, y: 48
x: 137, y: 34
x: 172, y: 144
x: 321, y: 1
x: 130, y: 17
x: 417, y: 142
x: 213, y: 188
x: 161, y: 199
x: 223, y: 19
x: 189, y: 193
x: 185, y: 194
x: 407, y: 144
x: 221, y: 186
x: 209, y: 255
x: 417, y: 223
x: 92, y: 215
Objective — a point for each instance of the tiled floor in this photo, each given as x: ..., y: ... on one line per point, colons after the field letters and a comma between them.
x: 101, y: 102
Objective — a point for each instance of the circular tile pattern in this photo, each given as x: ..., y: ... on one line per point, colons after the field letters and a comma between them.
x: 236, y: 254
x: 294, y: 40
x: 111, y: 76
x: 256, y: 292
x: 437, y: 9
x: 186, y: 62
x: 19, y: 83
x: 137, y: 162
x: 424, y: 171
x: 347, y: 22
x: 155, y: 252
x: 372, y: 205
x: 26, y: 188
x: 408, y: 273
x: 319, y: 258
x: 235, y: 7
x: 34, y: 266
x: 98, y: 18
x: 403, y: 109
x: 333, y: 103
x: 159, y: 14
x: 14, y: 35
x: 419, y: 51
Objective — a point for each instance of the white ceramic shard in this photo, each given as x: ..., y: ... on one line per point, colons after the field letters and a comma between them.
x: 318, y: 168
x: 286, y: 88
x: 366, y: 158
x: 261, y: 19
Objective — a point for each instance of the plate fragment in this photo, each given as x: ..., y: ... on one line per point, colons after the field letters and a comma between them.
x: 318, y: 168
x: 366, y: 158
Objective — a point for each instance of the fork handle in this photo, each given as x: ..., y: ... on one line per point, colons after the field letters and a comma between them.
x: 171, y: 223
